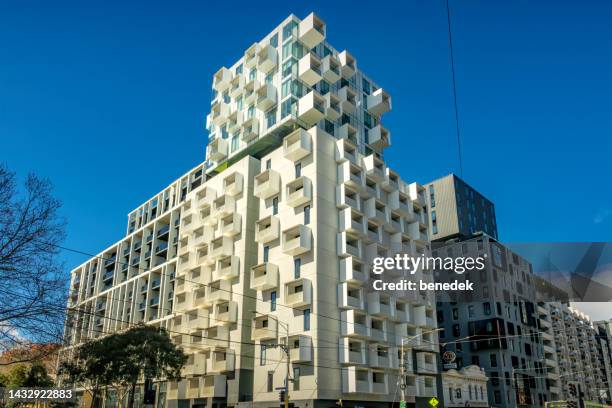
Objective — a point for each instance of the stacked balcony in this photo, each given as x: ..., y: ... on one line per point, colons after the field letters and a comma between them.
x: 332, y: 106
x: 311, y: 31
x: 226, y: 313
x: 352, y: 351
x: 217, y: 149
x: 348, y: 65
x: 298, y: 293
x: 311, y: 108
x: 348, y: 99
x: 374, y: 167
x: 227, y: 268
x: 264, y: 276
x: 381, y: 357
x: 250, y: 129
x: 267, y: 184
x: 264, y: 327
x: 221, y: 247
x: 267, y: 229
x: 378, y: 329
x: 347, y: 131
x: 351, y: 175
x: 309, y: 69
x: 351, y: 296
x: 381, y: 305
x: 232, y: 184
x: 348, y: 244
x: 195, y: 365
x: 224, y: 205
x: 352, y: 270
x: 355, y: 323
x: 222, y: 79
x: 250, y: 91
x: 376, y: 211
x: 299, y: 192
x: 356, y: 380
x: 216, y: 337
x: 250, y: 55
x: 297, y: 145
x: 219, y: 291
x: 297, y: 240
x: 300, y: 349
x: 266, y: 96
x: 230, y: 225
x: 330, y: 69
x: 219, y: 112
x: 197, y: 320
x: 236, y: 86
x: 352, y: 221
x: 347, y: 197
x: 379, y: 102
x: 379, y: 137
x: 426, y: 363
x: 221, y: 361
x: 267, y: 59
x: 391, y: 181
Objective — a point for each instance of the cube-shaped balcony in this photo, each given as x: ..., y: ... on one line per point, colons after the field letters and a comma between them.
x: 374, y: 233
x: 297, y: 240
x: 216, y: 337
x: 426, y: 363
x: 309, y: 69
x: 379, y: 102
x: 232, y: 184
x: 417, y: 194
x: 379, y: 137
x: 264, y: 327
x: 311, y: 108
x: 196, y: 320
x: 217, y: 149
x: 250, y: 55
x: 391, y: 181
x: 225, y: 313
x: 221, y: 247
x: 381, y: 356
x: 348, y: 65
x: 267, y: 59
x: 349, y: 132
x: 224, y: 205
x: 352, y: 351
x: 230, y: 225
x: 352, y: 270
x: 195, y: 365
x: 332, y: 106
x: 355, y: 323
x: 351, y: 296
x: 236, y: 86
x: 299, y: 192
x: 227, y: 268
x: 348, y: 99
x: 378, y: 329
x: 219, y: 291
x: 356, y: 380
x: 205, y: 196
x: 213, y: 386
x: 250, y: 129
x: 374, y: 167
x: 219, y: 112
x: 222, y: 79
x: 267, y: 229
x: 351, y: 175
x: 266, y: 96
x: 348, y: 244
x: 199, y: 298
x: 298, y: 293
x: 330, y: 69
x: 250, y: 91
x: 347, y: 197
x: 264, y: 276
x: 380, y: 384
x: 426, y: 387
x: 381, y: 305
x: 312, y: 31
x: 297, y: 145
x: 402, y: 311
x: 208, y: 218
x: 300, y: 349
x: 267, y: 184
x: 352, y: 221
x: 376, y: 211
x: 221, y: 361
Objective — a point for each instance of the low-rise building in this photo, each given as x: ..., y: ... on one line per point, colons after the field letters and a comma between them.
x: 466, y: 387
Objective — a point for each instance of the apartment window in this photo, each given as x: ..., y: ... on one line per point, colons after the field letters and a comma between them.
x: 226, y: 98
x: 497, y: 396
x: 297, y: 266
x: 298, y: 170
x: 273, y: 301
x: 275, y: 206
x: 486, y: 307
x: 456, y: 330
x: 329, y: 127
x: 252, y: 74
x: 274, y: 40
x: 432, y: 196
x: 324, y: 87
x: 268, y: 164
x: 266, y: 253
x: 455, y: 314
x: 366, y: 86
x: 296, y: 378
x: 289, y: 107
x: 470, y: 310
x: 493, y: 360
x: 306, y: 215
x: 271, y: 118
x: 289, y: 29
x: 239, y: 69
x: 434, y: 222
x: 270, y: 381
x: 262, y: 355
x: 239, y: 103
x: 475, y: 360
x: 368, y: 120
x: 234, y: 145
x: 306, y: 319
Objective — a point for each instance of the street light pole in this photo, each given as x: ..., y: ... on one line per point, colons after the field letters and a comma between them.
x: 403, y: 365
x: 285, y: 348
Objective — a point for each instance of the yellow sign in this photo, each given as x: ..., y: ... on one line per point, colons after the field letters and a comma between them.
x: 433, y: 402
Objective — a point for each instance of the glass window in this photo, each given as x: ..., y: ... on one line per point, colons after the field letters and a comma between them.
x: 323, y: 87
x: 290, y: 67
x: 486, y: 306
x: 239, y: 69
x: 234, y: 146
x: 329, y: 127
x: 366, y: 86
x: 307, y: 215
x: 266, y: 253
x: 306, y: 319
x: 252, y: 74
x: 270, y: 381
x: 226, y: 97
x: 274, y: 40
x: 250, y: 111
x: 297, y: 266
x: 289, y: 30
x: 275, y: 206
x: 296, y: 378
x: 289, y: 107
x: 268, y: 164
x: 239, y: 103
x: 298, y: 169
x: 262, y: 355
x: 271, y: 118
x: 273, y: 301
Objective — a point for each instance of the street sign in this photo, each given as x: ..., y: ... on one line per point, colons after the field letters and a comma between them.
x: 433, y: 402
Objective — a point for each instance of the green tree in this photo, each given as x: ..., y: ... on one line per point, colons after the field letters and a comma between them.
x: 26, y: 376
x: 122, y: 360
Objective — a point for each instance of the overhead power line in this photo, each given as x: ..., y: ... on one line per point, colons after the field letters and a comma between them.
x: 452, y: 61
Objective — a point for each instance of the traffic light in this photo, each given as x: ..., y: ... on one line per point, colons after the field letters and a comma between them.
x: 572, y: 404
x: 572, y: 390
x: 281, y: 395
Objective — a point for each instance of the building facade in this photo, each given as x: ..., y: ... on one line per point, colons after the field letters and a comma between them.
x: 257, y: 260
x: 458, y: 211
x: 466, y: 387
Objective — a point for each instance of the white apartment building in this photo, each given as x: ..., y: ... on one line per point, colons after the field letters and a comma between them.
x: 266, y: 247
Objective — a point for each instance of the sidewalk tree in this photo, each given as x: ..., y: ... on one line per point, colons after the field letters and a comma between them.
x: 32, y: 306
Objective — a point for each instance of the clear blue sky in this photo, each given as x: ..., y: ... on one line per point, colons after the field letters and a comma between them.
x: 108, y: 100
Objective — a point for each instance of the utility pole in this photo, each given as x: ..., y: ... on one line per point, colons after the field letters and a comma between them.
x: 403, y: 363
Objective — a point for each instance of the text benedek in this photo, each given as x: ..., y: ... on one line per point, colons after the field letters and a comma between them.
x: 410, y: 285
